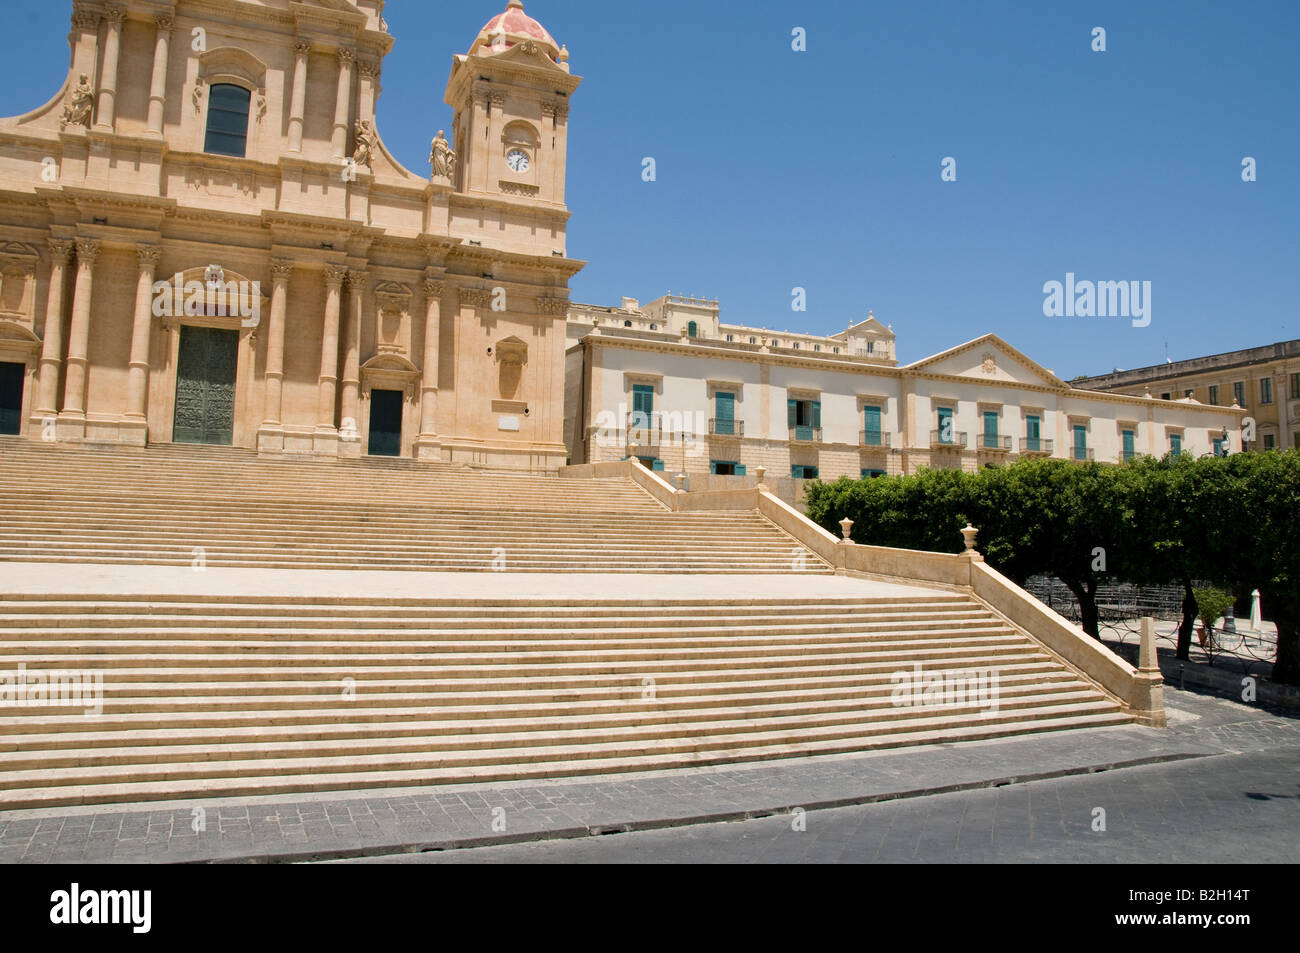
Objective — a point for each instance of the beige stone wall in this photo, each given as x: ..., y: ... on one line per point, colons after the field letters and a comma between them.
x: 142, y: 179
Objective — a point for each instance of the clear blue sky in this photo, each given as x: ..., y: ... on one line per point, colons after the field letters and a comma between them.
x: 820, y: 169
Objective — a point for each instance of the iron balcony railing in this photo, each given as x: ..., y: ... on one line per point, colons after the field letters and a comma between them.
x: 949, y: 438
x: 1081, y: 453
x: 722, y: 427
x: 806, y: 434
x: 1036, y: 445
x: 992, y: 441
x: 875, y: 438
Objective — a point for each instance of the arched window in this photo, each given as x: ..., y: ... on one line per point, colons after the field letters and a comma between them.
x: 692, y: 329
x: 227, y: 120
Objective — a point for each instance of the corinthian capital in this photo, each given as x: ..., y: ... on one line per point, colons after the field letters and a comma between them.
x: 148, y: 256
x: 281, y: 269
x: 87, y: 250
x: 60, y: 249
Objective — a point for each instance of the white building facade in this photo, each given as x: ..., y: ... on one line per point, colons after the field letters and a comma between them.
x: 672, y: 385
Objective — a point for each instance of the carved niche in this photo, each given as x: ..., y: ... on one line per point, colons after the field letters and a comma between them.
x: 511, y: 355
x: 18, y: 262
x: 393, y: 318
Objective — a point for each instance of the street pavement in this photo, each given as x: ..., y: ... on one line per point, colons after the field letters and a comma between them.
x: 1186, y: 791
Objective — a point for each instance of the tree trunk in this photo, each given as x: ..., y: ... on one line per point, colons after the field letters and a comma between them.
x: 1286, y: 670
x: 1086, y: 593
x: 1188, y: 624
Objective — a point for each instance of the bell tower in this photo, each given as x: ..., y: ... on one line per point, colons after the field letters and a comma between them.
x: 510, y: 94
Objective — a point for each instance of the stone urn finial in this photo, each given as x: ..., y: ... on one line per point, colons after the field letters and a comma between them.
x: 681, y: 482
x: 968, y: 534
x: 760, y: 472
x: 846, y: 527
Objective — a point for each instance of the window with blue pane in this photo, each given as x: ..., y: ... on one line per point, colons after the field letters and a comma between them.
x: 803, y: 472
x: 1129, y: 439
x: 227, y: 133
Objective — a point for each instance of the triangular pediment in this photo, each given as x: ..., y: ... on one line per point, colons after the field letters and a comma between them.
x: 988, y: 359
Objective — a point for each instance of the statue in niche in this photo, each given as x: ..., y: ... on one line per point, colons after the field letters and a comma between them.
x: 442, y: 157
x: 367, y: 144
x: 77, y: 110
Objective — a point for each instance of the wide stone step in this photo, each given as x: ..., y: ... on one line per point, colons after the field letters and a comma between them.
x: 254, y: 785
x: 556, y: 728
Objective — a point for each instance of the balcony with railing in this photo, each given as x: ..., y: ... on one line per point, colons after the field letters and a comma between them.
x: 994, y: 443
x: 803, y: 434
x: 949, y: 440
x: 878, y: 439
x: 1037, y: 445
x: 1082, y: 454
x: 726, y: 427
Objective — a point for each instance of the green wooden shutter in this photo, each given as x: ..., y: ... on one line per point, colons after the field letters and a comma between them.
x: 871, y: 426
x: 740, y: 469
x: 1080, y: 442
x: 816, y: 413
x: 1129, y: 439
x: 643, y: 399
x: 725, y: 414
x: 991, y: 425
x: 946, y: 434
x: 792, y: 413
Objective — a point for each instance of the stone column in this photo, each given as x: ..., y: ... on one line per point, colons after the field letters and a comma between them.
x: 138, y: 373
x: 298, y: 103
x: 351, y: 389
x: 74, y: 391
x: 47, y: 402
x: 281, y: 270
x: 342, y: 103
x: 427, y: 441
x: 158, y: 84
x: 115, y: 15
x: 368, y: 91
x: 329, y: 350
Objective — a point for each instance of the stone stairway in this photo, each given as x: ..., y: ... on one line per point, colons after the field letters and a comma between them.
x: 222, y: 695
x: 215, y: 507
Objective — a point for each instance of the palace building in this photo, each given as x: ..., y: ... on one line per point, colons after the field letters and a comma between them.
x: 671, y: 384
x: 204, y: 240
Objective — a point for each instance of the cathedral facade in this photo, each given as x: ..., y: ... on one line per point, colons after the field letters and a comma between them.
x: 204, y: 240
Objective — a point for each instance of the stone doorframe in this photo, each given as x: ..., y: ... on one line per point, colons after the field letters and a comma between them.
x: 19, y: 345
x: 391, y: 372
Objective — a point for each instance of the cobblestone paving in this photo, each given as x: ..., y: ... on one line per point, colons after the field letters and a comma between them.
x: 369, y: 824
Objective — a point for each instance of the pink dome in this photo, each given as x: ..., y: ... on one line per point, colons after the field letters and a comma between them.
x: 517, y: 26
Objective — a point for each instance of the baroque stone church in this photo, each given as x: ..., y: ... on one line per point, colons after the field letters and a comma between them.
x: 204, y: 240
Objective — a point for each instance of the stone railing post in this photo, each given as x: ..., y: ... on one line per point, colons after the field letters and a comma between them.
x: 1147, y: 701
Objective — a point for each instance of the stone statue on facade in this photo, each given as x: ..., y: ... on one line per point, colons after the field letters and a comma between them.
x: 442, y: 158
x: 77, y: 110
x: 367, y: 144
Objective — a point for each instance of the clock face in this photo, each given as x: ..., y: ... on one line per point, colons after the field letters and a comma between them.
x: 517, y: 159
